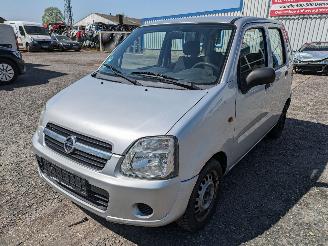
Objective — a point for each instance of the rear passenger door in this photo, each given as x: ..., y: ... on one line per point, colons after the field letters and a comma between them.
x: 251, y: 103
x: 276, y: 91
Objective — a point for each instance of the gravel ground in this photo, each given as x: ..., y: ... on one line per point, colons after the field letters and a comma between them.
x: 277, y: 195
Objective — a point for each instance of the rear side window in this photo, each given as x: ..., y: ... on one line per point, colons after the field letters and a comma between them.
x: 277, y: 47
x: 253, y: 53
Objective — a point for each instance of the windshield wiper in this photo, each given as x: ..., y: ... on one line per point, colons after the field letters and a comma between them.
x: 118, y: 73
x: 168, y: 80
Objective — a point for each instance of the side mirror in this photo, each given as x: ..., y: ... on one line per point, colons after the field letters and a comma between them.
x: 261, y: 76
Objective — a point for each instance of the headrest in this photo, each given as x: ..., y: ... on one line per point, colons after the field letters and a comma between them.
x: 191, y: 48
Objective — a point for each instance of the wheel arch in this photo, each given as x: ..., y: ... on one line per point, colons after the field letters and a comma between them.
x: 8, y: 58
x: 221, y: 157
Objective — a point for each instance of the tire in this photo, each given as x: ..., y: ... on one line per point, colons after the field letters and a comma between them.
x: 203, y: 199
x: 28, y: 48
x: 8, y: 72
x: 277, y: 130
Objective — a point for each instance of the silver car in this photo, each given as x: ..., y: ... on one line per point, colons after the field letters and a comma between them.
x: 146, y: 139
x: 312, y: 57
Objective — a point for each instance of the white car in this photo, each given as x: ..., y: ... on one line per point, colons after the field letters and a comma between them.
x: 146, y: 139
x: 31, y: 36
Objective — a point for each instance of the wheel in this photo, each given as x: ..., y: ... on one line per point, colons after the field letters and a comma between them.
x: 8, y: 72
x: 203, y: 199
x: 277, y: 130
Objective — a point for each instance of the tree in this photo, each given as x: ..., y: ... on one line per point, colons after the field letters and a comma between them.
x: 52, y: 15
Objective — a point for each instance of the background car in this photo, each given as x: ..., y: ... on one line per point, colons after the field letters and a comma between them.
x: 62, y: 43
x: 11, y: 65
x: 31, y: 36
x: 312, y: 57
x: 8, y: 37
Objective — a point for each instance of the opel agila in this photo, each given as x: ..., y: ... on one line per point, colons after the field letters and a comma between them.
x: 146, y: 139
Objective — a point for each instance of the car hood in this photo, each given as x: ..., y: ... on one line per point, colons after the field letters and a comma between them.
x: 119, y: 113
x: 41, y: 37
x: 311, y: 55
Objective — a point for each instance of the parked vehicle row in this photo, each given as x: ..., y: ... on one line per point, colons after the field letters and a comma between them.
x: 34, y: 37
x: 146, y: 139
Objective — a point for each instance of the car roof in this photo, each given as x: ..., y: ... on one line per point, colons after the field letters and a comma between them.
x: 238, y: 20
x: 23, y: 23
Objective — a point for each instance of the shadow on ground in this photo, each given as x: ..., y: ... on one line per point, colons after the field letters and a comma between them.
x: 36, y: 74
x: 268, y: 182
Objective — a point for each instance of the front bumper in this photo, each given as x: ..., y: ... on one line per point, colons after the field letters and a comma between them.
x: 72, y: 47
x: 167, y: 198
x: 21, y: 66
x: 36, y: 46
x: 311, y: 67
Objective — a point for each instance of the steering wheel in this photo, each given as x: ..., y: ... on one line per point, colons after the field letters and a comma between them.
x: 215, y: 69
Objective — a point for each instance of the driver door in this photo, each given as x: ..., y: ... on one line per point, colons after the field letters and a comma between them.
x: 251, y: 111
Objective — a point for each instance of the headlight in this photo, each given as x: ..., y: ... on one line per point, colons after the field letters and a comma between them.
x: 152, y: 158
x: 324, y: 61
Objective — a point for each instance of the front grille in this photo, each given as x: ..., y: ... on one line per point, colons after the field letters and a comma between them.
x: 87, y: 151
x: 311, y: 67
x: 74, y: 184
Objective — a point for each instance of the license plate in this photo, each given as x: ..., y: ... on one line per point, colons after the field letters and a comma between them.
x: 65, y: 178
x: 45, y: 46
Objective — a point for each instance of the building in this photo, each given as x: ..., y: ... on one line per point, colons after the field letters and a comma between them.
x: 107, y: 19
x: 2, y: 20
x: 305, y: 20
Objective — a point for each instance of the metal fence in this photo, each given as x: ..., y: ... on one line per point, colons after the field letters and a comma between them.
x: 301, y: 29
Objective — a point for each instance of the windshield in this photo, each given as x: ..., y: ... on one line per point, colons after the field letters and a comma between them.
x: 36, y: 30
x: 190, y: 53
x: 62, y: 38
x: 315, y: 47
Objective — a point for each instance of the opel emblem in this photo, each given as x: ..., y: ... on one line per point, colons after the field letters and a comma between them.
x: 69, y: 144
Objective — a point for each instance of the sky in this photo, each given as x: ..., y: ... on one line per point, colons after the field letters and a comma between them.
x: 32, y: 10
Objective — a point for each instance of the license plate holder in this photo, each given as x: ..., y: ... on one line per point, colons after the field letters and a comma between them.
x: 66, y: 179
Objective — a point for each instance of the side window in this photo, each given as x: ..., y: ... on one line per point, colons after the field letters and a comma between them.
x: 253, y: 53
x: 21, y: 31
x: 277, y: 47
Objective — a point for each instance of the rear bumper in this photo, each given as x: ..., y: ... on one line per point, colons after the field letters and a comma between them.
x: 167, y: 198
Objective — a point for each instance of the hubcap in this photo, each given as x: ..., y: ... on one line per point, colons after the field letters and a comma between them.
x: 6, y: 72
x: 206, y: 195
